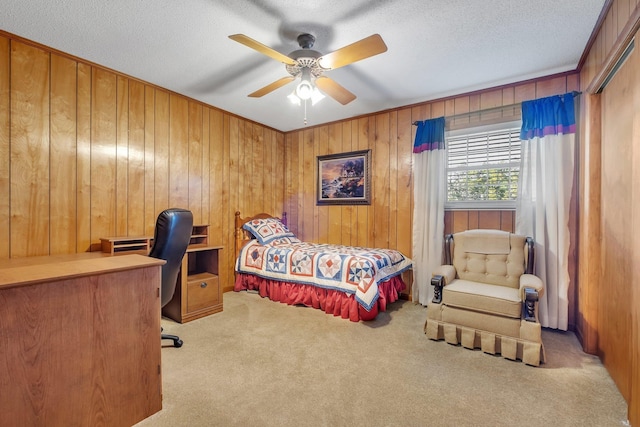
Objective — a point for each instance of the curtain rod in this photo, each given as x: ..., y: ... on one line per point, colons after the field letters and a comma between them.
x: 489, y: 110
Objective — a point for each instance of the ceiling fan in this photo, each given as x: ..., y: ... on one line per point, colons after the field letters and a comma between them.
x: 310, y: 65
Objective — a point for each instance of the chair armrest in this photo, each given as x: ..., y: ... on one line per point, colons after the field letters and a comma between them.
x: 533, y: 282
x: 448, y: 272
x: 531, y: 289
x: 442, y: 276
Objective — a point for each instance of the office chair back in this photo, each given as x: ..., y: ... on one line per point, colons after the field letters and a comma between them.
x: 170, y: 241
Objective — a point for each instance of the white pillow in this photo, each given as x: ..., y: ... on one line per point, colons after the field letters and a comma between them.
x: 267, y: 229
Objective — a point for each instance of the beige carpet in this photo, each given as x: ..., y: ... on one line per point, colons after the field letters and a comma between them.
x: 262, y: 363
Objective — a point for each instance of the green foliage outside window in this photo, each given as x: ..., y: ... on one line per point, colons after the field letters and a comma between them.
x: 484, y: 184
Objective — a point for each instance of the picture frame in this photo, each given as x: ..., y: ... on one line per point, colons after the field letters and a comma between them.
x: 344, y: 179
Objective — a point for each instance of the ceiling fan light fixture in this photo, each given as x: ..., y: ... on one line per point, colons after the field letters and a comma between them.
x: 294, y: 98
x: 304, y: 90
x: 316, y: 96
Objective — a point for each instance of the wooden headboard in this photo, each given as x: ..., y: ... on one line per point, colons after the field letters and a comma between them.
x: 243, y: 236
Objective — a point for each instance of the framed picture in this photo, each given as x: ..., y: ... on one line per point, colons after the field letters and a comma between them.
x: 344, y: 179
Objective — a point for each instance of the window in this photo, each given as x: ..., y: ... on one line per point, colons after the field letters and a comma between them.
x: 482, y: 167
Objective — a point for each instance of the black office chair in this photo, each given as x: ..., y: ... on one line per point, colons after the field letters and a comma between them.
x: 170, y: 241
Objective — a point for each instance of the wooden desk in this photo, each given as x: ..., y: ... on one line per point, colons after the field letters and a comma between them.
x: 79, y: 340
x: 198, y: 292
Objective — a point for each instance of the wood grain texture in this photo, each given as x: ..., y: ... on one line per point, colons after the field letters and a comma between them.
x: 135, y: 167
x: 63, y: 124
x: 83, y: 166
x: 617, y: 220
x: 161, y: 154
x: 634, y: 399
x: 30, y: 83
x: 589, y: 219
x: 608, y: 286
x: 195, y: 157
x: 5, y: 147
x: 178, y: 152
x: 149, y: 159
x: 122, y: 156
x: 456, y: 221
x: 205, y: 207
x: 103, y: 154
x: 89, y: 366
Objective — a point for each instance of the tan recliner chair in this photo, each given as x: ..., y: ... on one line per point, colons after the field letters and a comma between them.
x: 486, y: 297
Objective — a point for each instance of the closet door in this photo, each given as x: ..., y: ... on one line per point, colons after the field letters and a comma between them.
x: 620, y: 227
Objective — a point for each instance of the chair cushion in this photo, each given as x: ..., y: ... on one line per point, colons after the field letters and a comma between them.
x: 482, y: 297
x: 492, y: 266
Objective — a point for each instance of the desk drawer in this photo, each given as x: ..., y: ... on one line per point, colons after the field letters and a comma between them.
x: 203, y: 290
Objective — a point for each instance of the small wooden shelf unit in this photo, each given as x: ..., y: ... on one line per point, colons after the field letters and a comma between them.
x: 126, y: 245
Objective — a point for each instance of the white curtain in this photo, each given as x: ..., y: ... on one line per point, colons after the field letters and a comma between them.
x: 542, y: 211
x: 428, y: 213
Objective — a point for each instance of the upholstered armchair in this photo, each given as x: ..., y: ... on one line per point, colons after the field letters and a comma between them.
x: 486, y: 295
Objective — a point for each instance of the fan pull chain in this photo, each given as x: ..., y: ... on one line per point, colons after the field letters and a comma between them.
x: 305, y: 112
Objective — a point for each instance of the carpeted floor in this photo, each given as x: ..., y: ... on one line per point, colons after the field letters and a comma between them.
x: 262, y: 363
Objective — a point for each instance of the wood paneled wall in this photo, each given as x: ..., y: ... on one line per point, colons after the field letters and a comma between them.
x: 609, y: 285
x: 86, y: 152
x: 455, y: 221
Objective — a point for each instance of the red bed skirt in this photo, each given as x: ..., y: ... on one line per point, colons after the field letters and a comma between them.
x: 331, y: 301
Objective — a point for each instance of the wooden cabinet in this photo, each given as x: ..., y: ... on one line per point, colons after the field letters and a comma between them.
x: 198, y: 292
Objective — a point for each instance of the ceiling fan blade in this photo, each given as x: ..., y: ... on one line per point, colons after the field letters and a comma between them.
x: 271, y: 87
x: 369, y: 46
x: 265, y: 50
x: 334, y: 90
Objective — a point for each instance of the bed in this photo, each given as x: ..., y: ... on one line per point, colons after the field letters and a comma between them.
x: 351, y: 282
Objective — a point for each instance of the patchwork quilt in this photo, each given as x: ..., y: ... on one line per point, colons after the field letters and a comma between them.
x: 353, y: 270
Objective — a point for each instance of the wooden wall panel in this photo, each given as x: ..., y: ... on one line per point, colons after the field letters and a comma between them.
x: 610, y: 124
x: 178, y: 152
x: 256, y: 153
x: 149, y: 157
x: 347, y: 211
x: 161, y: 152
x: 380, y: 188
x: 122, y: 156
x: 393, y: 179
x: 456, y: 221
x: 218, y: 171
x: 206, y: 166
x: 63, y: 124
x: 195, y: 161
x: 404, y: 205
x: 29, y: 136
x: 136, y: 156
x: 83, y: 166
x: 103, y: 154
x: 616, y: 223
x: 5, y: 147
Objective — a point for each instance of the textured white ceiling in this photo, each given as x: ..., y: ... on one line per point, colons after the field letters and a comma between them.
x: 436, y: 48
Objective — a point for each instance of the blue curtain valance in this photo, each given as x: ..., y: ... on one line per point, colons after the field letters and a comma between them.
x: 429, y: 135
x: 548, y: 116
